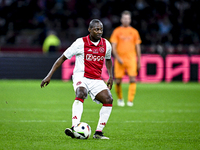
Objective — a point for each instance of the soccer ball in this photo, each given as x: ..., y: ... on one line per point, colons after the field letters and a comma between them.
x: 82, y: 131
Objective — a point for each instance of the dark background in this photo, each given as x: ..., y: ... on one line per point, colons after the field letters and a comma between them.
x: 165, y: 26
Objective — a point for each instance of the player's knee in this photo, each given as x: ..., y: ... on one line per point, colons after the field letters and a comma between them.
x: 81, y: 94
x: 109, y: 100
x: 132, y: 81
x: 118, y: 81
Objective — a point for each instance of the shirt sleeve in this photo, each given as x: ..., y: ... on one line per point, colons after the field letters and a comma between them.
x: 113, y: 38
x: 74, y: 49
x: 108, y: 50
x: 137, y: 39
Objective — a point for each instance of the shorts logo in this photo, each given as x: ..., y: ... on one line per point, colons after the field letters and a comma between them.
x: 91, y: 57
x: 102, y: 50
x: 103, y: 123
x: 78, y: 83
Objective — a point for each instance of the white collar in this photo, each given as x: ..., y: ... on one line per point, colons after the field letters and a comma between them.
x: 95, y: 43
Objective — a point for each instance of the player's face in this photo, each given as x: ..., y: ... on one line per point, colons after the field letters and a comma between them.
x: 126, y: 20
x: 96, y: 32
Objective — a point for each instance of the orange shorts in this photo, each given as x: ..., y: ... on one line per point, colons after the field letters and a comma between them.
x: 129, y: 67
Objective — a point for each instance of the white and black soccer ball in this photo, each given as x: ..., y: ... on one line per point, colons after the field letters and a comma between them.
x: 82, y: 131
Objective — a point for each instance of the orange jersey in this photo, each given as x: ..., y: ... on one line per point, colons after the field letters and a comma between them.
x: 126, y: 38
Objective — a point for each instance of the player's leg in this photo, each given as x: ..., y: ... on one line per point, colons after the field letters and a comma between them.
x: 106, y: 99
x: 131, y: 91
x: 118, y: 90
x: 100, y: 93
x: 77, y: 107
x: 132, y: 72
x: 119, y: 73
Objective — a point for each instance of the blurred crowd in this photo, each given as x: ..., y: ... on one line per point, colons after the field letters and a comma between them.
x: 165, y: 26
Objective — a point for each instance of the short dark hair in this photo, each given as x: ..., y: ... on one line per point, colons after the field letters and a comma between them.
x: 126, y: 12
x: 92, y: 22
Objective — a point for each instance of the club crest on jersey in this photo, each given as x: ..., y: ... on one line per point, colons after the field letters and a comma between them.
x: 102, y: 50
x: 78, y: 83
x: 95, y: 51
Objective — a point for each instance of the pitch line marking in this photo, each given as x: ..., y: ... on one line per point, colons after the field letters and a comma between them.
x: 130, y: 121
x: 94, y: 110
x: 162, y: 121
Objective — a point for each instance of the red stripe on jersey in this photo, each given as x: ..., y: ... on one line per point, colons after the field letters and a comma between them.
x: 93, y: 58
x: 108, y: 105
x: 79, y: 99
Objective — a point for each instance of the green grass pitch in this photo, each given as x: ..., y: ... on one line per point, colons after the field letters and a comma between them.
x: 164, y: 116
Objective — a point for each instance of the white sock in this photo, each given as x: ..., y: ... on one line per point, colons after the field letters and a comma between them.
x: 77, y: 110
x: 104, y: 116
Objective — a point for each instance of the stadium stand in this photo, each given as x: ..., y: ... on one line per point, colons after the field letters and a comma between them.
x: 165, y: 26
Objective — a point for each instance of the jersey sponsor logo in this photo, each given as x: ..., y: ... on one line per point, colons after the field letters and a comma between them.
x: 91, y: 57
x: 102, y: 50
x: 95, y: 51
x: 126, y: 38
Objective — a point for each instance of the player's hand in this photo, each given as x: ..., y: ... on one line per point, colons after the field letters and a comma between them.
x: 120, y: 61
x: 45, y: 82
x: 110, y: 83
x: 138, y: 66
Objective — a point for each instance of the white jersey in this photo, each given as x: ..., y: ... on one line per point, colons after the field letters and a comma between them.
x: 89, y: 56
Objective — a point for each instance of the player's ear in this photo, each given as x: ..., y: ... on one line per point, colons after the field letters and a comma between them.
x: 89, y: 29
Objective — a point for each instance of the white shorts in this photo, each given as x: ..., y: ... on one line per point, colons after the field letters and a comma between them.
x: 93, y: 86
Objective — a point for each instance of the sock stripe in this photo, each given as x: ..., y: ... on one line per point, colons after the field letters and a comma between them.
x: 108, y: 105
x: 79, y: 99
x: 98, y: 131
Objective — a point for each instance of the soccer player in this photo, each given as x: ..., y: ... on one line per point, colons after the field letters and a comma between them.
x: 90, y: 52
x: 126, y: 49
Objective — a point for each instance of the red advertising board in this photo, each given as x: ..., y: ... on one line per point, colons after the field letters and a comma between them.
x: 166, y: 68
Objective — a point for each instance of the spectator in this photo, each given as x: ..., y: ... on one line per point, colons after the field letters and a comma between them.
x: 159, y: 21
x: 192, y: 50
x: 51, y: 43
x: 140, y: 4
x: 170, y: 49
x: 165, y: 27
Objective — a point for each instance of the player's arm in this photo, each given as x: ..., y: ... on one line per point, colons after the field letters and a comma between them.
x: 114, y: 47
x: 55, y: 66
x: 109, y: 68
x: 138, y: 51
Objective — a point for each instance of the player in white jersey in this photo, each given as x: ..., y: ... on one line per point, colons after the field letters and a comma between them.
x: 90, y: 52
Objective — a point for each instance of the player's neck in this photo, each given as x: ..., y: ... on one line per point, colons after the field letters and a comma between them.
x: 125, y: 26
x: 93, y: 39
